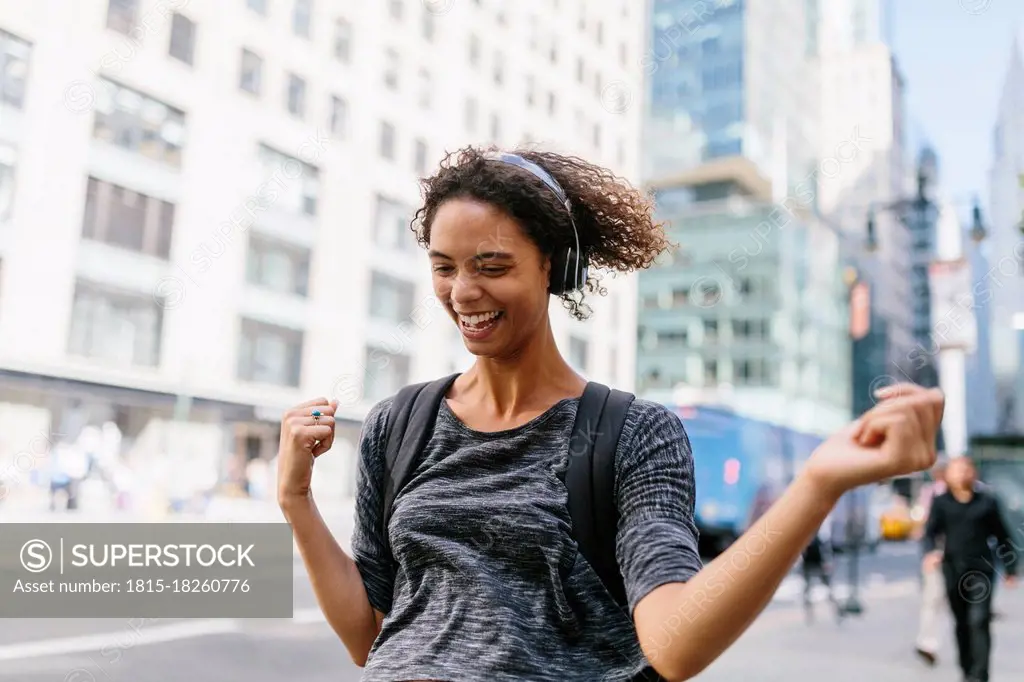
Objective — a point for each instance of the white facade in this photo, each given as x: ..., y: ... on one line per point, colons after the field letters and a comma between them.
x: 864, y: 160
x: 440, y: 74
x: 1005, y: 251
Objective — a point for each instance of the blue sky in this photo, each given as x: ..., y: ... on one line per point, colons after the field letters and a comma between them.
x: 954, y: 55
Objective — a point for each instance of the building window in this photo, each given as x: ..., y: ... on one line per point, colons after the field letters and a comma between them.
x: 296, y: 96
x: 470, y: 114
x: 338, y: 122
x: 342, y: 40
x: 384, y: 373
x: 250, y: 76
x: 391, y: 299
x: 578, y: 353
x: 138, y: 123
x: 277, y: 266
x: 751, y: 372
x: 295, y: 194
x: 117, y: 327
x: 495, y: 128
x: 14, y: 56
x: 387, y: 141
x: 183, y: 38
x: 420, y: 157
x: 6, y: 189
x: 395, y: 7
x: 392, y: 228
x: 121, y: 15
x: 673, y: 338
x: 428, y: 24
x: 269, y: 354
x: 425, y: 89
x: 391, y: 69
x: 750, y: 329
x: 120, y: 217
x: 499, y: 69
x: 302, y: 12
x: 710, y: 372
x: 710, y: 331
x: 258, y: 6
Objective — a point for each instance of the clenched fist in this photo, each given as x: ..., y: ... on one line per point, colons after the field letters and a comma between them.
x: 307, y: 431
x: 895, y: 438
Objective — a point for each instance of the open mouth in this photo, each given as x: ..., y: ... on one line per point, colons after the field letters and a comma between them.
x: 479, y: 324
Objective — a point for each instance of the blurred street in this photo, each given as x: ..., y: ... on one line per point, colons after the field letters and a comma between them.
x: 114, y: 650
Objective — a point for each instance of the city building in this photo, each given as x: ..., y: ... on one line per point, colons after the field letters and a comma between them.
x: 205, y: 207
x: 864, y: 171
x: 751, y: 311
x: 1004, y: 279
x: 732, y: 78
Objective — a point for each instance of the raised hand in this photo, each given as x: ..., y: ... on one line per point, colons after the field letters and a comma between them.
x: 307, y: 431
x: 895, y: 438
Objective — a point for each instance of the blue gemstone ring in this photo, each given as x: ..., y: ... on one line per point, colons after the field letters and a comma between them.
x: 316, y: 416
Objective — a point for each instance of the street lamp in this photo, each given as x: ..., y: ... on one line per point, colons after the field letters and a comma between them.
x: 859, y: 298
x: 853, y: 605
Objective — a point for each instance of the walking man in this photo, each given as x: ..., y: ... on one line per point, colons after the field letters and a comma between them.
x: 966, y: 519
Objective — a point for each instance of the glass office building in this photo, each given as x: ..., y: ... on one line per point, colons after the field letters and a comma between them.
x: 749, y: 310
x: 732, y: 78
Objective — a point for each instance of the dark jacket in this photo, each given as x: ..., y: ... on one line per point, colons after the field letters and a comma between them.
x: 967, y: 528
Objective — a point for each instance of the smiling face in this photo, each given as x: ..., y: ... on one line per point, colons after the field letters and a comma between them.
x: 489, y: 276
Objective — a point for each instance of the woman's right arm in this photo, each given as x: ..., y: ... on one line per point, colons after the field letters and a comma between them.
x: 336, y: 578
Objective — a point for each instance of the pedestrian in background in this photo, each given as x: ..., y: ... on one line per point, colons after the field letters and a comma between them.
x: 816, y: 561
x: 933, y: 596
x: 965, y: 519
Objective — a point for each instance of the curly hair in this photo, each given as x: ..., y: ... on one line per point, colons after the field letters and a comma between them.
x: 615, y: 221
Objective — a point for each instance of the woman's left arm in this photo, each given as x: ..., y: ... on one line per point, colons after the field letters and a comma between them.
x: 684, y: 626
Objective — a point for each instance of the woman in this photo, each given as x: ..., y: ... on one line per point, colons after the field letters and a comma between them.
x: 438, y: 598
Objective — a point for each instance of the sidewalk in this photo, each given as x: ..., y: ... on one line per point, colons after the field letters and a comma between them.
x: 876, y: 646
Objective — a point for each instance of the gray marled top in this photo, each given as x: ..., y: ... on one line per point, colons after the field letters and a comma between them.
x: 483, y: 580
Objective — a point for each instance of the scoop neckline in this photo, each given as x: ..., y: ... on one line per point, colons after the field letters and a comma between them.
x: 505, y: 433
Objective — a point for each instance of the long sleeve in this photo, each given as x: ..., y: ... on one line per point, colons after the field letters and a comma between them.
x: 1004, y: 548
x: 934, y: 527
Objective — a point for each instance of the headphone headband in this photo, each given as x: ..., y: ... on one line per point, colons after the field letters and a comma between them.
x: 533, y: 169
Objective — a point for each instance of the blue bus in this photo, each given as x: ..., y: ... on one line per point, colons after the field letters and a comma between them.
x: 742, y: 466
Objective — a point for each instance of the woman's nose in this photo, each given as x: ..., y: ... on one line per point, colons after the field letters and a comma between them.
x: 465, y: 287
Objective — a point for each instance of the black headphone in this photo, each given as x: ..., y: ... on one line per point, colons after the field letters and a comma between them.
x: 569, y: 264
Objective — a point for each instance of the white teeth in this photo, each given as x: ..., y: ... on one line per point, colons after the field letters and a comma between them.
x: 478, y: 319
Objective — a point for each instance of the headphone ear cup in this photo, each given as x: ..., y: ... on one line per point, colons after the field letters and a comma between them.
x: 556, y: 278
x: 568, y: 271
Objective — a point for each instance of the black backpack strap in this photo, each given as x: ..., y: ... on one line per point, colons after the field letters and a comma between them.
x: 410, y: 425
x: 590, y: 480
